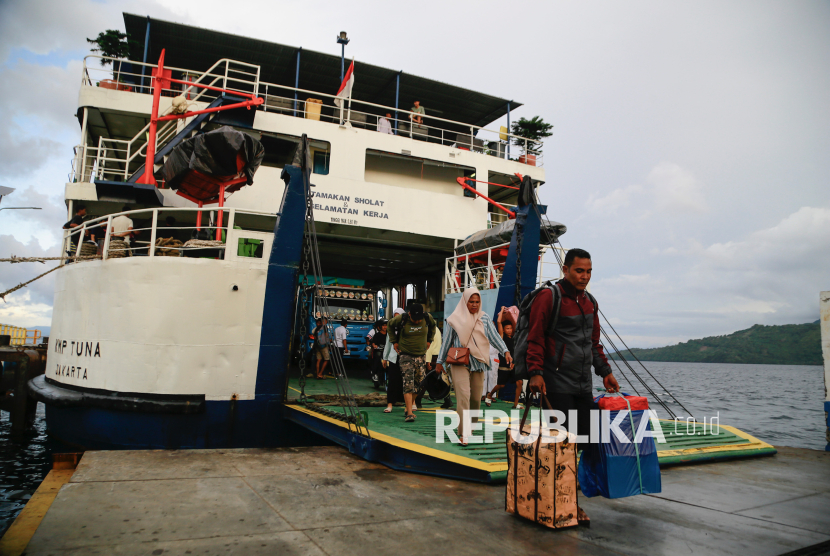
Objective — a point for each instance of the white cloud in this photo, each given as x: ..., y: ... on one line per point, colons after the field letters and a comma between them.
x: 48, y: 93
x: 25, y: 313
x: 799, y: 241
x: 43, y: 26
x: 611, y: 203
x: 28, y: 306
x: 770, y: 276
x: 675, y: 190
x: 20, y: 153
x: 671, y: 191
x: 44, y: 224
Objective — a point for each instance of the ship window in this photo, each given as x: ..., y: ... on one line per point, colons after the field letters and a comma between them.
x: 280, y: 148
x: 414, y: 172
x: 321, y: 162
x: 249, y: 247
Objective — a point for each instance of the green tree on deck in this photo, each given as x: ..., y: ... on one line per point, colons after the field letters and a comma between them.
x: 112, y: 44
x: 534, y: 129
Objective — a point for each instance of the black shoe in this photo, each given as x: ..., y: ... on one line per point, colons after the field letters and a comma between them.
x: 447, y: 404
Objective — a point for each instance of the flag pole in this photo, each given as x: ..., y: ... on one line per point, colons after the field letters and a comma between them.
x: 349, y: 114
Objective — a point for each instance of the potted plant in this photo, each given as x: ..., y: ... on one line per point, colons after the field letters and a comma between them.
x: 113, y: 44
x: 534, y: 130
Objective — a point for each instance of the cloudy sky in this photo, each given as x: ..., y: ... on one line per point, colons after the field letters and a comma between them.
x: 691, y: 150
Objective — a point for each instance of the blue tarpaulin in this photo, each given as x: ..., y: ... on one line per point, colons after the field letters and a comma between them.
x: 615, y: 469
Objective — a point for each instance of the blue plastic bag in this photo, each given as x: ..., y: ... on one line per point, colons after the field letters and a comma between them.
x: 615, y: 469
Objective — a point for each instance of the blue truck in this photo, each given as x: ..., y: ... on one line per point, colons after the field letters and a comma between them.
x: 356, y: 305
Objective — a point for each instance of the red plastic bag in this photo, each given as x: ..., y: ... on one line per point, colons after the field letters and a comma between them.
x: 616, y: 403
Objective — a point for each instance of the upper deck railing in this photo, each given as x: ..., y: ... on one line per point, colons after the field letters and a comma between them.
x: 247, y: 233
x: 112, y: 158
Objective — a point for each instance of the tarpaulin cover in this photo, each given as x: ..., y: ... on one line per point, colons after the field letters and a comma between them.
x: 609, y: 469
x: 498, y: 235
x: 214, y: 154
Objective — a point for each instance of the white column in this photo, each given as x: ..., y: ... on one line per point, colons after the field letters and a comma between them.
x: 153, y: 228
x: 82, y: 169
x: 825, y: 348
x: 107, y: 238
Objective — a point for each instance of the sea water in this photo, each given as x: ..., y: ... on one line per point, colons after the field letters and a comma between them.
x: 25, y: 460
x: 779, y: 404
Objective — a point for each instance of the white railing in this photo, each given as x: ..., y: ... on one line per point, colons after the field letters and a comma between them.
x: 243, y: 77
x: 96, y: 236
x: 222, y: 74
x: 485, y: 272
x: 461, y: 272
x: 114, y: 158
x: 496, y: 218
x: 474, y: 138
x: 549, y: 270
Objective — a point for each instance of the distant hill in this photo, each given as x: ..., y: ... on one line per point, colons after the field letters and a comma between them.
x: 789, y: 344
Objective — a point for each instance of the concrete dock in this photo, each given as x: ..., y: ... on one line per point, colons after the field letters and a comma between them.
x: 323, y: 500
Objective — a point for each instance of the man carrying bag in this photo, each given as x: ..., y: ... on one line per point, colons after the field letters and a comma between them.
x: 563, y: 345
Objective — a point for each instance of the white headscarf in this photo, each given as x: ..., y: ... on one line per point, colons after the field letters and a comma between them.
x: 398, y: 311
x: 469, y: 328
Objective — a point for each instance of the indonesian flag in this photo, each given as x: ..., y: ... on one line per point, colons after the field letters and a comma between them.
x: 345, y: 91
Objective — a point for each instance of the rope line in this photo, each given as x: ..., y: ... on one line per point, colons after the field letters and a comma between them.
x: 14, y: 259
x: 345, y: 395
x: 550, y: 241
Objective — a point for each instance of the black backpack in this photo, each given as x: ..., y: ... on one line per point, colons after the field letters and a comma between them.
x: 523, y: 326
x: 405, y: 319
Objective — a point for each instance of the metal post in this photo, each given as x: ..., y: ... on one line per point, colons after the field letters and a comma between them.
x: 297, y: 81
x: 80, y: 240
x: 508, y: 130
x: 153, y: 232
x: 83, y: 147
x: 397, y: 93
x: 21, y: 397
x: 229, y: 226
x: 106, y: 239
x: 342, y: 61
x: 824, y: 298
x: 219, y: 216
x: 150, y: 161
x: 146, y: 48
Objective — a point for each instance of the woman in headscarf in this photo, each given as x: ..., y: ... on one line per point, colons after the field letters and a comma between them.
x: 470, y: 327
x: 394, y: 378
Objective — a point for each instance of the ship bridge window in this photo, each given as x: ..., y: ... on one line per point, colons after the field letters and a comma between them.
x: 279, y: 151
x: 504, y: 195
x: 321, y: 162
x: 415, y: 172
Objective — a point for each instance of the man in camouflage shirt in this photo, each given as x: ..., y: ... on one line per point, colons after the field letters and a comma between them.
x: 411, y: 334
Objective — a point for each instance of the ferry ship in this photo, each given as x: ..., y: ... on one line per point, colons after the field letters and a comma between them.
x: 171, y: 343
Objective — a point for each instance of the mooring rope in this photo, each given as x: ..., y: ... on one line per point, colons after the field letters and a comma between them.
x: 14, y: 259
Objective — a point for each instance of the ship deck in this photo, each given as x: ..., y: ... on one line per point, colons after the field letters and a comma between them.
x: 413, y: 446
x: 326, y: 501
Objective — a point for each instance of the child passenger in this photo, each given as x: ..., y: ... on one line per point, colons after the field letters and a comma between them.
x: 505, y: 372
